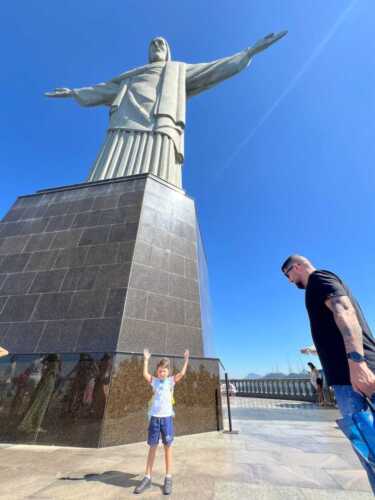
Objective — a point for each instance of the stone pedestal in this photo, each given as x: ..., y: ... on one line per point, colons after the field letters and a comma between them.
x: 92, y: 274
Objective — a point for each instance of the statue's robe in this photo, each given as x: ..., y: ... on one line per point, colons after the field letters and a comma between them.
x: 147, y: 115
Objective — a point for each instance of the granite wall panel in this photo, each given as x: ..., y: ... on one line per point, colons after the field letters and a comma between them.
x: 80, y: 278
x: 102, y: 254
x: 40, y: 261
x: 126, y: 250
x: 47, y: 281
x: 115, y: 303
x: 24, y: 337
x: 98, y: 334
x: 14, y: 263
x: 13, y: 244
x: 17, y: 283
x: 18, y: 308
x: 63, y: 333
x: 71, y: 257
x: 39, y: 242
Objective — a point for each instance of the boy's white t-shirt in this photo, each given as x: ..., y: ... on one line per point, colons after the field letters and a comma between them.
x: 162, y: 401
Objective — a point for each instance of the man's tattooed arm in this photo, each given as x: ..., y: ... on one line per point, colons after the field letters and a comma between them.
x: 347, y: 322
x: 361, y: 377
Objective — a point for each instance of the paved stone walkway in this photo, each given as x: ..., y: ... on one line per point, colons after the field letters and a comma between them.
x: 285, y: 450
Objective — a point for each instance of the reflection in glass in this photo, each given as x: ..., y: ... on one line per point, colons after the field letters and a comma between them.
x: 82, y: 382
x: 101, y: 388
x: 45, y: 372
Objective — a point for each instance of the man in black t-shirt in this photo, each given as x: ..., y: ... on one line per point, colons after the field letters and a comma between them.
x: 342, y: 337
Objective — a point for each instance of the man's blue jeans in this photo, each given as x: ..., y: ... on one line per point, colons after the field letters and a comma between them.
x: 350, y: 402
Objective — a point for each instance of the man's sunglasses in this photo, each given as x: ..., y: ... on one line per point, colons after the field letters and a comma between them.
x: 287, y: 271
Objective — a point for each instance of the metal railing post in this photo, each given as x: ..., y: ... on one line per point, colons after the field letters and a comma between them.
x: 231, y: 431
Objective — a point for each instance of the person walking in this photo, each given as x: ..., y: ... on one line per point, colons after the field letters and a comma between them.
x: 317, y: 382
x: 342, y: 338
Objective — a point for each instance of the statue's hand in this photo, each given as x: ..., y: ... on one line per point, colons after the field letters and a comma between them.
x: 60, y: 92
x: 266, y: 42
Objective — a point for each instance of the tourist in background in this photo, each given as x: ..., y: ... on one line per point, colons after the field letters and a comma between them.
x: 317, y: 382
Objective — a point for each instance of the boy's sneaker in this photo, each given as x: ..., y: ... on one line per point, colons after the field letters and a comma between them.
x: 144, y: 484
x: 167, y: 489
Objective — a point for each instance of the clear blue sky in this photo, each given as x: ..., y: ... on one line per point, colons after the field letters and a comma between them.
x: 279, y: 159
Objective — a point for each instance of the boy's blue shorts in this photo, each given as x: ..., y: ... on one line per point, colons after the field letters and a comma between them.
x: 160, y: 426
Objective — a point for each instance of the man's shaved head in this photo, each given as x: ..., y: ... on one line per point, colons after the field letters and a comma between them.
x: 296, y: 259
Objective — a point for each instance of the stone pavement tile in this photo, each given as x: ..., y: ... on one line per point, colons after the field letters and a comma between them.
x: 16, y: 484
x: 77, y: 490
x: 257, y: 443
x: 103, y: 463
x: 209, y: 440
x: 353, y: 480
x: 281, y: 475
x: 37, y: 461
x: 194, y: 487
x: 230, y: 471
x: 342, y: 448
x: 206, y: 455
x: 316, y: 460
x: 254, y: 456
x: 351, y: 459
x: 292, y: 457
x: 228, y: 490
x: 37, y: 448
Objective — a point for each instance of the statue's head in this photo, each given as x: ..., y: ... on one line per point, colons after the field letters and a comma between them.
x: 159, y: 50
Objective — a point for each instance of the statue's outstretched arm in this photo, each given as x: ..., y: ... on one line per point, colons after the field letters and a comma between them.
x: 60, y: 92
x: 266, y: 42
x: 100, y: 94
x: 200, y: 77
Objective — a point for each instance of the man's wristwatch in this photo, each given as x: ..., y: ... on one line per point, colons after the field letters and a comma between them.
x: 355, y: 356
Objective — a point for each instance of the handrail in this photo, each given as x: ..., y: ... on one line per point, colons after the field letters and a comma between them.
x: 299, y: 389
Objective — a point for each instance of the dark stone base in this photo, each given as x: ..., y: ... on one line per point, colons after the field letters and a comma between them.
x: 94, y: 271
x: 97, y: 400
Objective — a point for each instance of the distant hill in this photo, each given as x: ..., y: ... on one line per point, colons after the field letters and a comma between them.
x: 278, y: 375
x: 275, y: 375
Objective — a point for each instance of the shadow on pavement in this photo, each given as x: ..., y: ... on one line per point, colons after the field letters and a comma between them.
x: 114, y: 477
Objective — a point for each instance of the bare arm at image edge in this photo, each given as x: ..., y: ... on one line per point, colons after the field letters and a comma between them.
x: 3, y: 352
x: 361, y: 377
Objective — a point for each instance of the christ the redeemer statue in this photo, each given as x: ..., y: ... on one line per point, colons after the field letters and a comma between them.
x: 147, y: 110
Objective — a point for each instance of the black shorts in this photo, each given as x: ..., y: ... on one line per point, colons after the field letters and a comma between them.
x: 319, y: 382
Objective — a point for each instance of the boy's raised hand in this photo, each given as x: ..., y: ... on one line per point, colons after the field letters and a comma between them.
x: 146, y: 357
x: 181, y: 374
